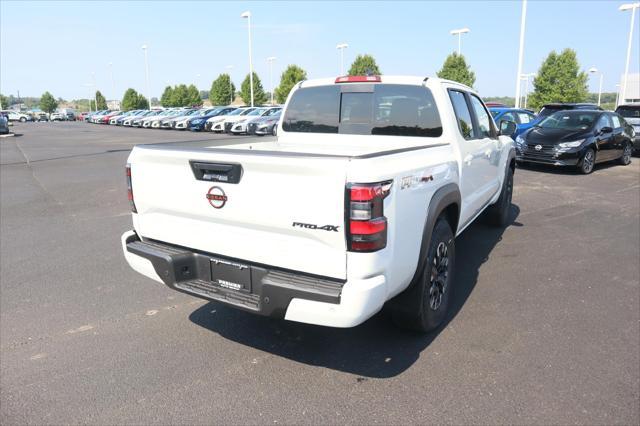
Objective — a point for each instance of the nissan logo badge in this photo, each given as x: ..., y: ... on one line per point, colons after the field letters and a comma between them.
x: 217, y: 198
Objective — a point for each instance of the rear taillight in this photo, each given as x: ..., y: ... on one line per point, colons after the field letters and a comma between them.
x: 130, y: 190
x: 366, y: 224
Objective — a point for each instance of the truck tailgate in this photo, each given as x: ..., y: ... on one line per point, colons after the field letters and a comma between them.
x: 285, y: 211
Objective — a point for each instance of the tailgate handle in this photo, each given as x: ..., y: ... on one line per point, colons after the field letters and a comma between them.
x: 216, y: 172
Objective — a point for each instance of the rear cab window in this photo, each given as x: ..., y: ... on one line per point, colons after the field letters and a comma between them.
x: 364, y: 109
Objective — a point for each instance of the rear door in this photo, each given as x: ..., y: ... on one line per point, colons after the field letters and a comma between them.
x: 285, y: 211
x: 619, y: 137
x: 605, y: 138
x: 476, y: 151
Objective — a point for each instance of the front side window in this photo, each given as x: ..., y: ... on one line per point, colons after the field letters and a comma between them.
x: 484, y: 122
x: 508, y: 116
x: 463, y: 114
x: 369, y: 109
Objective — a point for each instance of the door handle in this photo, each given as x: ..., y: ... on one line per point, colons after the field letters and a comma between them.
x: 488, y: 153
x: 467, y: 159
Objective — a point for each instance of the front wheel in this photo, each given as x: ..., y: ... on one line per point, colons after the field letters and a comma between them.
x: 588, y: 161
x: 22, y: 119
x: 434, y: 283
x: 625, y: 160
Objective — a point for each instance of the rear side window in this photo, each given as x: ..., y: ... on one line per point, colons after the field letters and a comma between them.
x: 616, y: 121
x: 463, y: 114
x: 379, y: 109
x: 525, y: 118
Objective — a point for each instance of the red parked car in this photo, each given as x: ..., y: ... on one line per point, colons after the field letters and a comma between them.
x: 105, y: 118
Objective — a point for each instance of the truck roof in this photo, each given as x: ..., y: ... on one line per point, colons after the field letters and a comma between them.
x: 387, y: 79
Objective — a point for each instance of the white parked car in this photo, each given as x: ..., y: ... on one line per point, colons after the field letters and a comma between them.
x: 217, y: 124
x: 170, y: 122
x: 241, y: 126
x: 154, y: 122
x: 18, y: 116
x: 355, y: 206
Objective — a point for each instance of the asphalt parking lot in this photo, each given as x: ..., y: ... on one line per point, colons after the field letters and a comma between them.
x: 545, y: 326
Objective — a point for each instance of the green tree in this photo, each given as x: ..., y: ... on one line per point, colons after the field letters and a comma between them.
x: 193, y: 96
x: 559, y: 79
x: 364, y: 65
x: 4, y: 101
x: 130, y: 100
x: 222, y: 90
x: 167, y: 97
x: 100, y: 99
x: 259, y: 97
x: 290, y: 77
x: 143, y: 103
x: 455, y: 68
x: 48, y: 103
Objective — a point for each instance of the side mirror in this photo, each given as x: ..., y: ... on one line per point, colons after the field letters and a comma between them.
x: 507, y: 128
x: 606, y: 129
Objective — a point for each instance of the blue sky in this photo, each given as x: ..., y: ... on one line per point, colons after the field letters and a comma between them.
x: 56, y: 46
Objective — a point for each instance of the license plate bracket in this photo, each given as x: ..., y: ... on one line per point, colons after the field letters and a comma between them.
x: 231, y: 275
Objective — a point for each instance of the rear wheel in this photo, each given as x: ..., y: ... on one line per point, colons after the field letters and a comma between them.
x: 588, y: 161
x: 434, y: 283
x: 22, y: 119
x: 498, y: 213
x: 625, y: 160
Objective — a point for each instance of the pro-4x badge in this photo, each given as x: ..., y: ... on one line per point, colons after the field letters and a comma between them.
x: 312, y: 226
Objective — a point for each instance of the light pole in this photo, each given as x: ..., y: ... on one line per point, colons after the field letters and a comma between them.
x: 229, y: 67
x: 341, y: 48
x: 594, y: 70
x: 146, y: 72
x: 523, y: 20
x: 247, y: 15
x: 632, y: 7
x: 617, y: 93
x: 459, y: 34
x: 113, y: 85
x: 525, y: 78
x: 95, y: 90
x: 270, y: 59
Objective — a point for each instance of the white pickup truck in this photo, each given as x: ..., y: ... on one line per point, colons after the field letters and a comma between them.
x: 354, y: 207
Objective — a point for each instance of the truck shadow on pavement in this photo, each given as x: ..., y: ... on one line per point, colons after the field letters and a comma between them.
x: 375, y: 349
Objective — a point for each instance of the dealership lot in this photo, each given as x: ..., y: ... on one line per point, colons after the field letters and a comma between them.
x: 546, y: 323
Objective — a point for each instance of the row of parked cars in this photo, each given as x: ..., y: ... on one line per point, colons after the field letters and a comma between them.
x: 228, y: 119
x: 573, y: 134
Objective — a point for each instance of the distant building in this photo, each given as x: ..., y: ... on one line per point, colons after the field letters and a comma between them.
x: 632, y: 92
x: 114, y: 105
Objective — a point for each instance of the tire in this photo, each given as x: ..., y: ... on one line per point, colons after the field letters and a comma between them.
x: 588, y: 162
x: 434, y: 285
x: 498, y: 213
x: 625, y: 160
x: 274, y: 130
x: 23, y: 120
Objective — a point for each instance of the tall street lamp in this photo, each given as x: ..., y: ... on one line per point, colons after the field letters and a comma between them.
x: 247, y: 15
x: 341, y: 48
x: 146, y: 72
x: 229, y: 67
x: 617, y: 93
x: 526, y: 78
x: 459, y: 34
x: 632, y: 7
x: 95, y: 90
x: 113, y: 85
x: 594, y: 70
x: 270, y: 59
x: 523, y: 19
